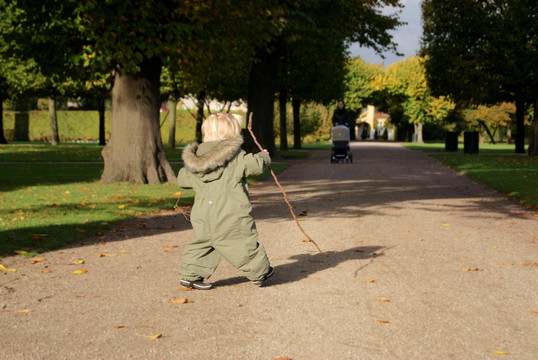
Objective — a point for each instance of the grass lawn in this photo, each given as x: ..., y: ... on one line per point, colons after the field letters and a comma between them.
x: 496, y: 166
x: 46, y: 206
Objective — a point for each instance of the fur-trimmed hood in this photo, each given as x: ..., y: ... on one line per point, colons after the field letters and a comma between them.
x: 208, y: 159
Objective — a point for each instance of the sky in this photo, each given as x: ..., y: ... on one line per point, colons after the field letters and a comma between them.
x: 407, y: 36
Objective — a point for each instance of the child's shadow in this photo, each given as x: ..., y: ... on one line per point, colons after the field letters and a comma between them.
x: 306, y: 265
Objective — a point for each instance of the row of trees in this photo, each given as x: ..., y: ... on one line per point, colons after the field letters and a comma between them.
x: 137, y: 52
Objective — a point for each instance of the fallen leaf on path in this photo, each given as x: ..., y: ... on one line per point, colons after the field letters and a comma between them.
x: 37, y: 260
x: 80, y: 271
x: 124, y: 252
x: 530, y: 263
x: 446, y: 225
x: 472, y: 269
x: 382, y: 299
x: 407, y: 230
x: 119, y: 326
x: 498, y: 352
x: 170, y: 227
x: 181, y: 301
x: 184, y: 288
x: 78, y: 262
x: 368, y: 281
x: 534, y: 311
x: 305, y: 240
x: 152, y: 337
x: 106, y: 255
x: 25, y: 311
x: 383, y: 321
x: 5, y: 269
x: 170, y: 246
x: 45, y: 271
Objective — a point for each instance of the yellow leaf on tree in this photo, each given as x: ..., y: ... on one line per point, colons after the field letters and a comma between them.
x: 37, y: 260
x: 181, y: 301
x: 5, y: 269
x: 80, y: 271
x: 78, y: 262
x: 382, y: 299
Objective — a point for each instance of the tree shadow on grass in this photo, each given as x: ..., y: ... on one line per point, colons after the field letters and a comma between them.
x: 304, y: 265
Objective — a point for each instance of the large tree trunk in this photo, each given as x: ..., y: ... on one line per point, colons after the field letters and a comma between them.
x: 520, y: 126
x: 282, y: 101
x: 172, y: 106
x: 261, y: 94
x: 2, y: 137
x: 533, y: 136
x: 54, y: 137
x: 101, y: 110
x: 135, y: 152
x: 296, y: 106
x: 200, y: 100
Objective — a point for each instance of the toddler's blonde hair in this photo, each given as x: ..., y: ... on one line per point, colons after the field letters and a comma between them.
x: 222, y: 126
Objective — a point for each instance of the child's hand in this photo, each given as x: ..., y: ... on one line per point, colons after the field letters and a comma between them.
x: 265, y: 151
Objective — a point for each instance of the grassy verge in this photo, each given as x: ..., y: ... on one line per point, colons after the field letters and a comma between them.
x: 47, y: 206
x: 496, y: 166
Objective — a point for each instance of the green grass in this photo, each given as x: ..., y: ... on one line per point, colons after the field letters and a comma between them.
x: 47, y: 206
x: 440, y: 147
x: 496, y: 166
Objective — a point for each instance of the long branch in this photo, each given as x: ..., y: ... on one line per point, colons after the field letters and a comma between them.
x: 249, y: 127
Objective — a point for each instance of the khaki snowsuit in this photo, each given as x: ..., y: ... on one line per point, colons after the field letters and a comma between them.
x: 220, y: 216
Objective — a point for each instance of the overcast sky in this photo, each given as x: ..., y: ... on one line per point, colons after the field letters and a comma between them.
x: 407, y: 36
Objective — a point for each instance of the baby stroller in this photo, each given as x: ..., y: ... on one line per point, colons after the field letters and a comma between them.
x: 340, y: 139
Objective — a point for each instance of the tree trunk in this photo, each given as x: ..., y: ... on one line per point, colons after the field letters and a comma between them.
x: 282, y: 99
x: 200, y: 116
x: 500, y: 130
x: 418, y: 132
x: 491, y: 138
x: 261, y: 94
x: 101, y: 110
x: 54, y: 138
x: 296, y: 106
x: 2, y: 137
x: 172, y: 106
x: 520, y: 126
x: 135, y: 152
x: 533, y: 136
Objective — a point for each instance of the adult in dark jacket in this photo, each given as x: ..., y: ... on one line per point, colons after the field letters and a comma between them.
x: 341, y: 115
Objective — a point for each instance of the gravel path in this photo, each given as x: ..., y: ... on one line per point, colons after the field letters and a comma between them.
x: 422, y: 264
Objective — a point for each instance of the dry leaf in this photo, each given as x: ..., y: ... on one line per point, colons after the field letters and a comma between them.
x: 407, y: 230
x: 121, y: 207
x: 37, y: 260
x: 124, y: 252
x: 5, y: 269
x: 170, y: 246
x: 25, y: 310
x: 80, y: 271
x: 178, y: 193
x: 35, y: 237
x: 305, y: 240
x: 141, y: 226
x: 498, y: 352
x: 184, y: 288
x: 21, y: 252
x: 152, y: 337
x: 106, y: 255
x: 472, y: 269
x: 120, y: 326
x: 45, y: 271
x: 181, y: 301
x: 170, y: 227
x: 78, y: 262
x: 368, y: 281
x: 530, y: 263
x: 446, y: 225
x: 383, y: 321
x: 382, y: 299
x: 534, y: 311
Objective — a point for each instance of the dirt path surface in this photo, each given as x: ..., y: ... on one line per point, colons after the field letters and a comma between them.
x: 423, y: 264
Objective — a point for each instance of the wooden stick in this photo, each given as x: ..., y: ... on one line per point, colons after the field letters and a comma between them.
x: 249, y: 127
